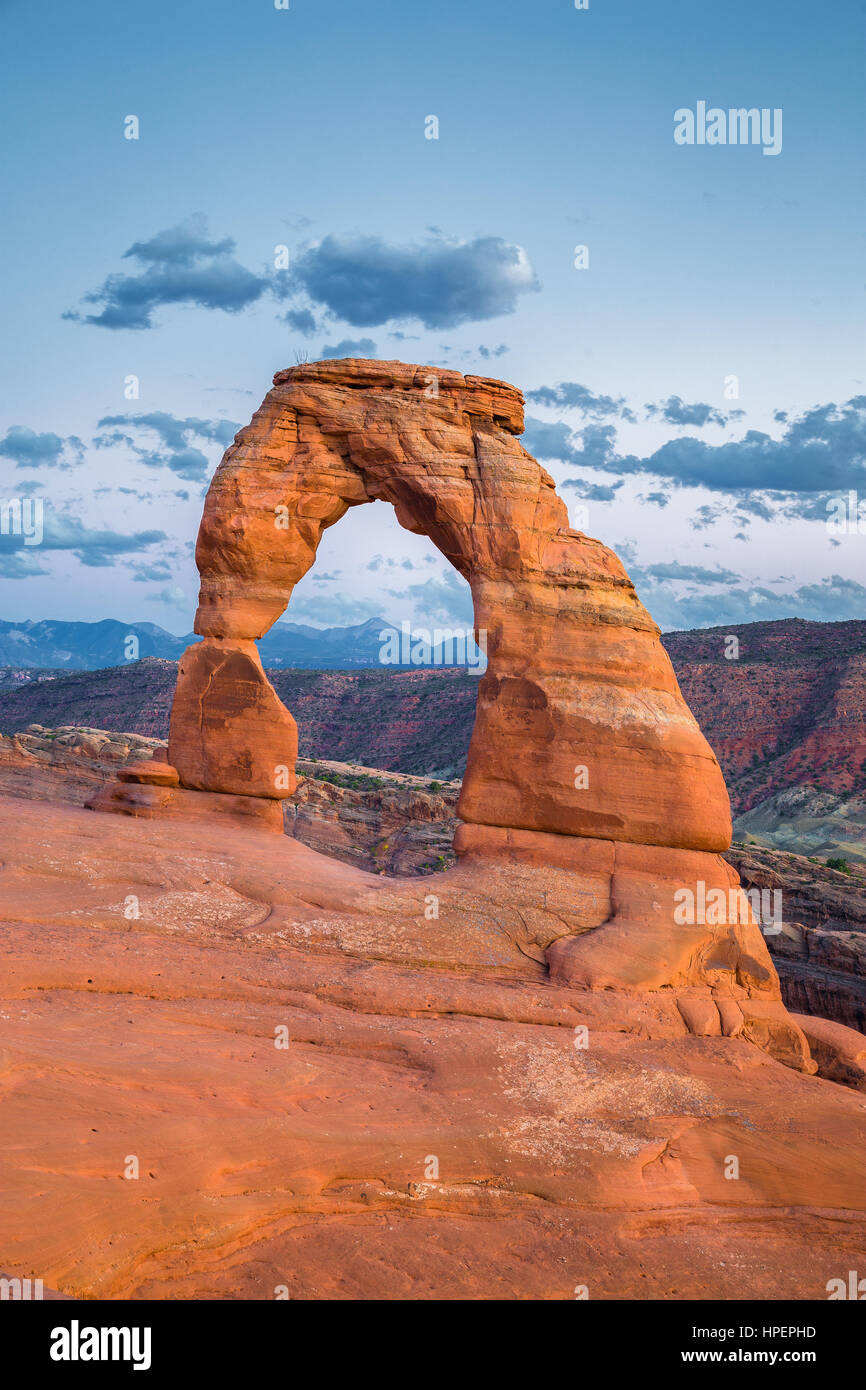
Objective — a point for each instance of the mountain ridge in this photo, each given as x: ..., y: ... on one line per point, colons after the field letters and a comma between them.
x: 80, y: 646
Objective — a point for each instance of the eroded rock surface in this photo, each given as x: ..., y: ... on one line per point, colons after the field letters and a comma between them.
x: 577, y: 676
x: 229, y: 731
x: 387, y: 823
x: 397, y: 824
x: 581, y: 734
x: 328, y: 1086
x: 67, y: 763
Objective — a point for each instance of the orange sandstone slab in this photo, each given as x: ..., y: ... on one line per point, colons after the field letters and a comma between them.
x: 150, y: 772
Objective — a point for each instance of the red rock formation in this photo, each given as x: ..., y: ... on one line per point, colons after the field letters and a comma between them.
x: 581, y: 733
x: 786, y: 719
x: 577, y: 676
x: 548, y: 1049
x: 820, y: 953
x: 68, y: 764
x: 382, y: 821
x: 394, y: 824
x: 229, y: 731
x: 840, y: 1052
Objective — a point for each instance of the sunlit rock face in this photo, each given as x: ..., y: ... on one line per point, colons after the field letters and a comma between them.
x: 584, y: 754
x: 580, y: 728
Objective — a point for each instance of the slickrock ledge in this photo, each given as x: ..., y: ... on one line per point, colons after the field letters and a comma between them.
x: 330, y: 1088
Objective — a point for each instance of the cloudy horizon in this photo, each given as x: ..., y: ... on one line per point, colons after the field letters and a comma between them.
x: 684, y: 322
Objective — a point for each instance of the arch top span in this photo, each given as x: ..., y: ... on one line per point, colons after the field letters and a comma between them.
x: 440, y: 447
x: 484, y: 396
x: 580, y: 725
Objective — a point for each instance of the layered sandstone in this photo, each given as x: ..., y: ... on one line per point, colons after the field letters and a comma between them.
x: 577, y: 678
x: 229, y: 731
x: 68, y: 764
x: 820, y: 953
x: 783, y: 709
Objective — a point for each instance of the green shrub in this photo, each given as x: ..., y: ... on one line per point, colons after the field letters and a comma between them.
x: 841, y: 864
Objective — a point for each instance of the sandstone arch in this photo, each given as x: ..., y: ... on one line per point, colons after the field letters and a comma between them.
x: 583, y: 881
x: 576, y: 675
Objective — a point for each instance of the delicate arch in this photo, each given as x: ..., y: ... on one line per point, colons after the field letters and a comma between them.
x: 577, y: 676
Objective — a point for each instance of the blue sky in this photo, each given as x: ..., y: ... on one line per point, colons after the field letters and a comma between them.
x: 306, y: 128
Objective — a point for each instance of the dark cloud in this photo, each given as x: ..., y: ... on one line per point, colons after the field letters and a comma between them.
x: 302, y: 321
x: 178, y: 266
x: 366, y: 281
x: 694, y: 574
x: 177, y: 451
x: 180, y: 245
x: 380, y: 562
x: 32, y: 450
x: 570, y: 395
x: 810, y: 507
x: 708, y: 515
x: 823, y: 450
x: 492, y: 352
x: 593, y: 492
x: 96, y: 548
x: 659, y: 499
x: 349, y: 347
x: 92, y: 548
x: 19, y: 564
x: 143, y: 574
x: 592, y: 447
x: 675, y: 411
x: 757, y: 506
x: 547, y: 439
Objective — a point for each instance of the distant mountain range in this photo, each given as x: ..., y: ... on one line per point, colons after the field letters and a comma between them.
x: 95, y: 646
x: 84, y: 646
